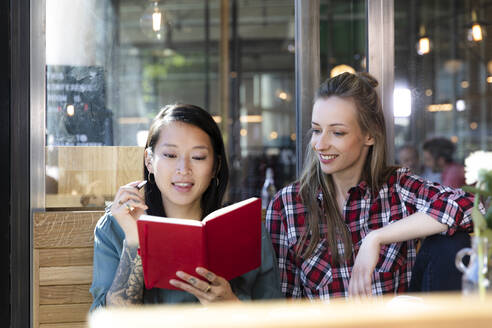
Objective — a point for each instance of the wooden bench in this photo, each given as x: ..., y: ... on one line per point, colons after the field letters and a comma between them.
x: 62, y: 267
x: 63, y: 245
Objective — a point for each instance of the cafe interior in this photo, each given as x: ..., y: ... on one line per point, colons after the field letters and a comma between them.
x: 100, y: 70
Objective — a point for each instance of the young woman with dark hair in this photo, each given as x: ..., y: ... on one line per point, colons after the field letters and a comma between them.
x: 187, y: 174
x: 349, y: 225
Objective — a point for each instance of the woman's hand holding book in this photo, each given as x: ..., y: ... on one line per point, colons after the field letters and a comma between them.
x: 211, y: 289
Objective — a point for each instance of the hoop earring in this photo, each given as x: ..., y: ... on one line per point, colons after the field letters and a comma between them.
x: 216, y: 182
x: 151, y: 178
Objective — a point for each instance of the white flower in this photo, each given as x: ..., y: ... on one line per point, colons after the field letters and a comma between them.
x: 476, y: 164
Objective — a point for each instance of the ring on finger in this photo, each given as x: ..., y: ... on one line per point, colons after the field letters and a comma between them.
x: 129, y: 207
x: 208, y: 288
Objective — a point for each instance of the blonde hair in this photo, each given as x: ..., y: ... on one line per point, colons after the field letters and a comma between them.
x: 360, y: 88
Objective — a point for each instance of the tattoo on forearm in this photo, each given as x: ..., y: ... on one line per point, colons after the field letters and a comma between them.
x: 127, y: 286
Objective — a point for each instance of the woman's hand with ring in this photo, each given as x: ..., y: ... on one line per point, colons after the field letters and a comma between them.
x: 127, y: 207
x: 212, y: 289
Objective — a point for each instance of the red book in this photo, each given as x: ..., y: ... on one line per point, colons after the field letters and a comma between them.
x: 226, y: 242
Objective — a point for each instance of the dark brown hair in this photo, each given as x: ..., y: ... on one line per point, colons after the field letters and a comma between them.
x: 194, y: 115
x: 440, y: 147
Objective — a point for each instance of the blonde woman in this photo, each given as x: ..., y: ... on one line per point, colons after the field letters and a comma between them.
x: 349, y: 225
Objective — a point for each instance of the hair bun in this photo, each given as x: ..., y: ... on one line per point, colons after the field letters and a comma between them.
x: 368, y: 78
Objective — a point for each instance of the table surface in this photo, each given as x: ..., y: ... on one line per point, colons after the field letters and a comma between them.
x: 414, y: 310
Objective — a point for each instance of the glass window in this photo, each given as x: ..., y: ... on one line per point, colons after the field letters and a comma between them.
x: 343, y: 37
x: 443, y: 69
x: 111, y: 65
x: 262, y: 95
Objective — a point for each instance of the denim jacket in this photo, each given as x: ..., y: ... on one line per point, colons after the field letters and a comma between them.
x: 261, y: 283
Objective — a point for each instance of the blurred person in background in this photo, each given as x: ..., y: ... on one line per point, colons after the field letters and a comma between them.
x: 408, y: 156
x: 438, y: 157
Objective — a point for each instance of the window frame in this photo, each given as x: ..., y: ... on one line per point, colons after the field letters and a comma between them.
x: 28, y: 113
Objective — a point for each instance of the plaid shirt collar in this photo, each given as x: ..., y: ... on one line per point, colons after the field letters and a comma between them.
x: 362, y: 187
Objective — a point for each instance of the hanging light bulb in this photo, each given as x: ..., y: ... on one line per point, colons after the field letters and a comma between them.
x: 339, y: 69
x: 70, y: 110
x: 476, y: 33
x: 154, y: 20
x: 423, y: 46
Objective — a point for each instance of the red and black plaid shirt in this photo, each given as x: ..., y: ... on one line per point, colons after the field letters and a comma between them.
x: 404, y: 194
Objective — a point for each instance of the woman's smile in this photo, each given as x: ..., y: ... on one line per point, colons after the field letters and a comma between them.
x: 183, y: 186
x: 327, y: 159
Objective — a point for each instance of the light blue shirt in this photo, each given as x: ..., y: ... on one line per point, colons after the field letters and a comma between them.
x: 261, y: 283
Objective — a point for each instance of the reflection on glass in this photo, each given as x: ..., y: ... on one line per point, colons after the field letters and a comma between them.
x: 402, y: 102
x: 342, y: 37
x: 111, y: 65
x: 450, y: 93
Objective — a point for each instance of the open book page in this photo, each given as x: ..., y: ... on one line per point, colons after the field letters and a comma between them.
x: 227, y: 209
x: 233, y: 239
x: 152, y: 218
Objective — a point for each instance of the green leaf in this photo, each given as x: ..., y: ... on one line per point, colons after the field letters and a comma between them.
x: 476, y: 191
x: 488, y: 218
x: 487, y: 180
x: 478, y: 220
x: 488, y: 233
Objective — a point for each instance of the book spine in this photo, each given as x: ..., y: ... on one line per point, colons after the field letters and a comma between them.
x: 144, y: 255
x: 204, y: 247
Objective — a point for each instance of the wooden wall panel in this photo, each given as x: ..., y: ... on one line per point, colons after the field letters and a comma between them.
x: 65, y: 294
x: 64, y: 229
x: 35, y: 289
x: 97, y: 170
x: 65, y: 275
x: 129, y: 165
x: 53, y: 257
x: 86, y: 170
x: 63, y: 313
x: 62, y: 268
